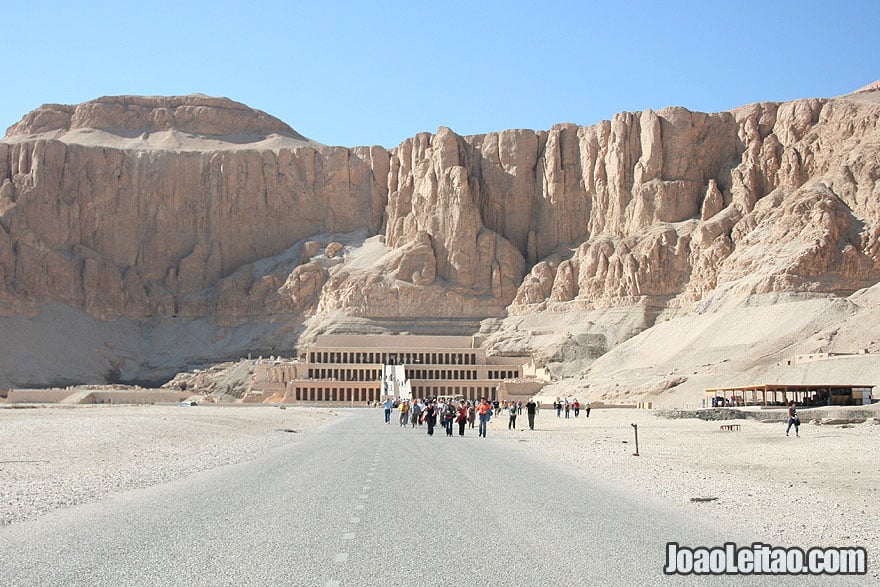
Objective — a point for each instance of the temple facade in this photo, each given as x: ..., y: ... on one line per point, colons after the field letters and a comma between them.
x: 354, y: 369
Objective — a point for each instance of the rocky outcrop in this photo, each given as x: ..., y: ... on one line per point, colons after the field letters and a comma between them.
x: 196, y: 114
x: 660, y: 208
x: 770, y: 197
x: 435, y: 193
x: 137, y: 233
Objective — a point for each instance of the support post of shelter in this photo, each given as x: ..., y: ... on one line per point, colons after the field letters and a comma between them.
x: 636, y: 430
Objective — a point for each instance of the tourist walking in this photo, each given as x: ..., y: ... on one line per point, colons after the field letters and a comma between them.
x: 462, y: 417
x: 576, y: 406
x: 558, y: 406
x: 416, y: 411
x: 531, y: 410
x: 485, y: 411
x: 472, y: 415
x: 388, y: 405
x: 449, y: 418
x: 793, y: 420
x: 511, y: 424
x: 588, y: 409
x: 567, y: 408
x: 404, y: 412
x: 430, y: 417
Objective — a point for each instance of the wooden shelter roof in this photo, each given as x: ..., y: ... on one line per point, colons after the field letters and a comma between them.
x: 787, y: 387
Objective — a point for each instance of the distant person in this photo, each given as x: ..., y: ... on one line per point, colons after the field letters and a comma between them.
x: 404, y: 412
x: 587, y: 410
x: 511, y: 424
x: 472, y: 415
x: 449, y: 417
x: 531, y: 410
x: 485, y: 411
x: 567, y: 408
x: 576, y: 406
x: 793, y: 420
x: 388, y: 405
x: 430, y: 414
x: 462, y: 417
x: 557, y: 405
x: 416, y: 411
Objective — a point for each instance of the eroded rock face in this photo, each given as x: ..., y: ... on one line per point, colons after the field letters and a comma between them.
x: 661, y: 207
x: 435, y: 193
x: 197, y: 114
x: 122, y: 232
x: 770, y: 197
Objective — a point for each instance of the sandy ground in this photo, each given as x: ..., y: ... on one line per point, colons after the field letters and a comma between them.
x: 54, y: 457
x: 819, y: 489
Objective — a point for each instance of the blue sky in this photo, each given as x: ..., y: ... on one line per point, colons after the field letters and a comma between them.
x: 376, y: 73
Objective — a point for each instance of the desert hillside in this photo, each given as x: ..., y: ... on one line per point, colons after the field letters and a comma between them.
x: 654, y: 254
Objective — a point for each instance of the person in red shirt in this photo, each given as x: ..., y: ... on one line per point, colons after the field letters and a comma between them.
x: 485, y: 412
x: 462, y: 417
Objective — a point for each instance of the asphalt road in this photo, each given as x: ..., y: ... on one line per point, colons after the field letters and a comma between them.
x: 363, y: 503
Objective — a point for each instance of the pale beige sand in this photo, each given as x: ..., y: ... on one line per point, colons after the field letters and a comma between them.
x: 820, y: 489
x: 817, y: 490
x: 54, y: 457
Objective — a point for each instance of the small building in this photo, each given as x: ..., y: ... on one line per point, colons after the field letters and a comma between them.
x: 782, y: 395
x: 358, y: 369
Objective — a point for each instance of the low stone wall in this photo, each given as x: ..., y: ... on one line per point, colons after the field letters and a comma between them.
x: 37, y: 396
x: 147, y: 396
x: 519, y: 390
x: 98, y: 396
x: 820, y: 414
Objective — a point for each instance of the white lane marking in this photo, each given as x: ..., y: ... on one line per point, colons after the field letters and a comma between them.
x: 341, y: 557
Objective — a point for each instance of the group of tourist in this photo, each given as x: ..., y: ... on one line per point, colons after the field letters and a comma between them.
x: 570, y: 406
x: 448, y: 413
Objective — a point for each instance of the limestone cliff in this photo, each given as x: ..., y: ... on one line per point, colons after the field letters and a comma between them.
x: 140, y: 208
x: 140, y: 231
x: 196, y: 114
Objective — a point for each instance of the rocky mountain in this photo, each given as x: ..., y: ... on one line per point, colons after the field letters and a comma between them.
x: 141, y: 235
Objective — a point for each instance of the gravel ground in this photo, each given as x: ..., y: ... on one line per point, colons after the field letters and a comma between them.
x: 55, y: 457
x: 820, y: 489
